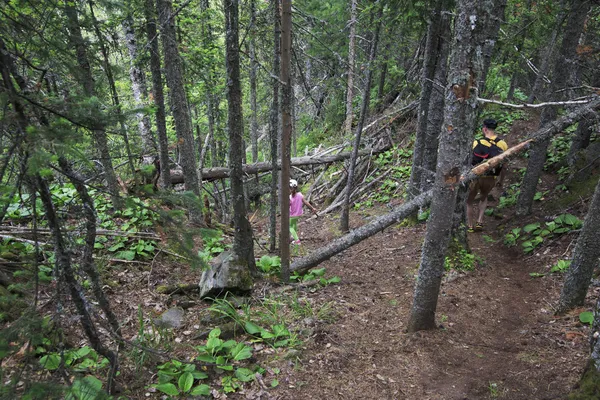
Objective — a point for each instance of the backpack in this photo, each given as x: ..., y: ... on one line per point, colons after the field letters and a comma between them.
x: 486, y: 149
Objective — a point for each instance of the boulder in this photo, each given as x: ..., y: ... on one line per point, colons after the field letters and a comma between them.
x: 172, y: 318
x: 225, y: 274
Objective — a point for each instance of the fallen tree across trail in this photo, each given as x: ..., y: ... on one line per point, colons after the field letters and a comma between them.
x: 380, y: 223
x: 209, y: 174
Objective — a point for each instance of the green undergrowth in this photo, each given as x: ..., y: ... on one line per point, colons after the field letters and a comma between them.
x: 459, y: 258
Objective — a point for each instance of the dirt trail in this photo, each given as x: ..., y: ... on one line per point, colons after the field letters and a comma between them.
x: 499, y: 338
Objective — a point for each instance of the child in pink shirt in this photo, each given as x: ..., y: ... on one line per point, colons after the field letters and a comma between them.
x: 296, y: 202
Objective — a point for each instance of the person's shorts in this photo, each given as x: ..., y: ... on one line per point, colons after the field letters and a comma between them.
x: 483, y: 184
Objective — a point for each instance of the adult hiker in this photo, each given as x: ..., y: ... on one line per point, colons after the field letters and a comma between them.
x: 484, y: 149
x: 296, y: 202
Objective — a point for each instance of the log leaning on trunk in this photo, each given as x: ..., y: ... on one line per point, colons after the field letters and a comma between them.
x: 380, y: 223
x: 210, y: 174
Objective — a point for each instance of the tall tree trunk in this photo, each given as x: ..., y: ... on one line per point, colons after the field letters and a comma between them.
x: 139, y: 89
x: 350, y: 73
x: 157, y: 92
x: 564, y: 62
x: 585, y: 259
x: 490, y: 38
x: 436, y: 104
x: 113, y: 88
x: 253, y: 69
x: 427, y: 76
x: 179, y: 103
x: 547, y: 55
x: 84, y: 77
x: 274, y: 125
x: 345, y: 215
x: 286, y: 133
x: 455, y: 145
x: 243, y: 243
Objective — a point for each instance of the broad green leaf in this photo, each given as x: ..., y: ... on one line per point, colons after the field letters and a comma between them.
x: 167, y: 388
x: 201, y: 390
x: 586, y: 317
x: 185, y: 382
x: 531, y: 227
x: 126, y: 255
x: 318, y: 272
x: 251, y: 328
x: 335, y: 279
x: 82, y: 352
x: 50, y: 361
x: 215, y: 333
x: 207, y: 358
x: 244, y: 374
x: 88, y: 388
x: 274, y: 383
x: 241, y: 352
x: 199, y: 375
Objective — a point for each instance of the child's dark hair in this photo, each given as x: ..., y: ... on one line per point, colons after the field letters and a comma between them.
x: 490, y: 123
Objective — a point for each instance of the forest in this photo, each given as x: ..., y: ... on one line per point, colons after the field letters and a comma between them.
x: 273, y: 200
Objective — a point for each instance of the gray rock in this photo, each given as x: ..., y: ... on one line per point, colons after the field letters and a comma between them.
x: 225, y: 274
x: 172, y: 318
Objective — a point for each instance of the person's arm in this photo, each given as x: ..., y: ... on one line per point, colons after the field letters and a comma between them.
x: 307, y: 204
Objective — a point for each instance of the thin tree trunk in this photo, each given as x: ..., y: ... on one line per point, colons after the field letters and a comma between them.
x: 286, y: 133
x: 84, y: 76
x: 274, y: 126
x: 113, y: 88
x: 490, y: 38
x: 565, y: 61
x: 179, y: 103
x: 436, y: 104
x: 584, y: 260
x: 243, y: 243
x: 345, y: 215
x: 427, y: 76
x: 253, y: 69
x: 139, y: 89
x: 350, y: 73
x: 455, y: 145
x: 157, y: 92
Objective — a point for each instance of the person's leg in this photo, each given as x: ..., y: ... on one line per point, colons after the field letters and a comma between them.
x: 473, y: 189
x: 486, y: 187
x: 294, y: 228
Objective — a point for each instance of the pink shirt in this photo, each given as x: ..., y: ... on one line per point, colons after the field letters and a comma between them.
x: 296, y: 205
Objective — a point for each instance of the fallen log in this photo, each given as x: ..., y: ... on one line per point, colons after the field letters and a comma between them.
x: 210, y: 174
x: 380, y: 223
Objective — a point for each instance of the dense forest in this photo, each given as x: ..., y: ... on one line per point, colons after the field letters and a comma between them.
x: 156, y: 157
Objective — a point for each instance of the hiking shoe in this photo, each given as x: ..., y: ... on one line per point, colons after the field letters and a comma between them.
x: 479, y: 227
x: 470, y: 229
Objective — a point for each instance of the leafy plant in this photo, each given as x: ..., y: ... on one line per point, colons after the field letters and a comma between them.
x: 269, y: 265
x: 586, y: 317
x: 79, y: 360
x: 460, y: 260
x: 510, y: 239
x: 88, y: 388
x: 561, y: 266
x: 222, y: 353
x: 318, y: 273
x: 185, y: 377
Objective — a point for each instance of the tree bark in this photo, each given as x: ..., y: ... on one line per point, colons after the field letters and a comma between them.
x: 436, y: 104
x: 454, y: 154
x: 253, y: 68
x: 565, y: 61
x: 350, y: 72
x: 286, y: 133
x: 584, y: 260
x: 139, y: 89
x: 345, y: 215
x: 84, y: 77
x: 492, y: 27
x: 243, y: 243
x: 427, y: 76
x: 274, y: 125
x: 179, y: 103
x: 157, y: 92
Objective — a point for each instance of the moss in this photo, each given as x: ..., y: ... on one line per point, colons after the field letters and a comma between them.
x: 161, y: 289
x: 588, y: 388
x: 577, y: 191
